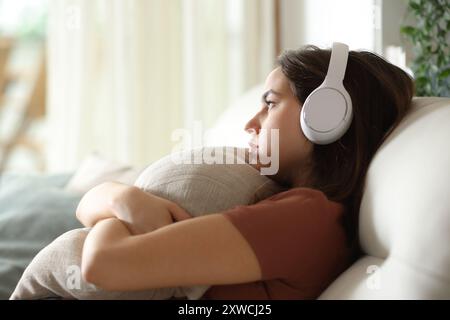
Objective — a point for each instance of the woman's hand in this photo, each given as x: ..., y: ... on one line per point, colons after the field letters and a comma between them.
x: 146, y: 212
x: 140, y: 211
x: 97, y: 203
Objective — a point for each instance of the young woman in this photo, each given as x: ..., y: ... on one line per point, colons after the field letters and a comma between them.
x: 289, y: 246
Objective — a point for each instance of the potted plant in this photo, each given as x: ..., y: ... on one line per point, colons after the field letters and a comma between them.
x: 430, y: 38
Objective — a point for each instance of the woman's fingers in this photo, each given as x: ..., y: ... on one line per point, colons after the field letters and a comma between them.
x: 178, y: 213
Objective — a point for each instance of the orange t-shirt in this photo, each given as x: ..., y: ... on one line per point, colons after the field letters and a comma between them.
x: 299, y: 241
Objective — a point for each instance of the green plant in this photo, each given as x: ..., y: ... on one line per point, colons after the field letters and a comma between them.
x: 430, y: 37
x: 33, y: 24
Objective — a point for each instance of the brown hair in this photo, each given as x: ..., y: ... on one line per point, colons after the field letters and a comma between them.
x: 381, y: 95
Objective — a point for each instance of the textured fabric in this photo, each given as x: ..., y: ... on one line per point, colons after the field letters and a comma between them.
x: 34, y: 210
x: 198, y: 188
x: 405, y: 213
x: 55, y: 273
x: 96, y: 169
x: 299, y: 242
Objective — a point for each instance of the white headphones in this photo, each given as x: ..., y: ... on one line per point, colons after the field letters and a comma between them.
x: 327, y: 112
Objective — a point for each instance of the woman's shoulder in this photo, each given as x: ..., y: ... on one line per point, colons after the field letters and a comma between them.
x: 299, y: 192
x: 294, y: 206
x: 300, y: 195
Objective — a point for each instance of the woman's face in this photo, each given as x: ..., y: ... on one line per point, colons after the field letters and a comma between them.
x: 280, y: 109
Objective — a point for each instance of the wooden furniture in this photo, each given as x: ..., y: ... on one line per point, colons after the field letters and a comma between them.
x: 33, y: 108
x: 5, y: 50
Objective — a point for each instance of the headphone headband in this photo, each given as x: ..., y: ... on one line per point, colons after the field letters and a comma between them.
x: 338, y: 63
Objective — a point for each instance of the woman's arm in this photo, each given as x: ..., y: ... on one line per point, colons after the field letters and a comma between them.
x: 140, y: 211
x: 200, y: 251
x: 98, y: 203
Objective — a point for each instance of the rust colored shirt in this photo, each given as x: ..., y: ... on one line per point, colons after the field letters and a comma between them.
x: 299, y: 241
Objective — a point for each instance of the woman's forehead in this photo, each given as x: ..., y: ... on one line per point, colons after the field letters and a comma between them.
x: 276, y: 81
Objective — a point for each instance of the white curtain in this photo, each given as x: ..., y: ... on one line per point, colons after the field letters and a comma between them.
x: 228, y: 47
x: 123, y: 74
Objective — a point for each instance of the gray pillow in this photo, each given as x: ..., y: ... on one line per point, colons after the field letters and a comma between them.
x: 198, y: 188
x: 34, y: 210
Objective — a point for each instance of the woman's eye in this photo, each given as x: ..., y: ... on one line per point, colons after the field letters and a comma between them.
x: 270, y: 104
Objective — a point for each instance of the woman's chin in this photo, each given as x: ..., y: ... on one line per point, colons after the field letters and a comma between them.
x: 252, y: 158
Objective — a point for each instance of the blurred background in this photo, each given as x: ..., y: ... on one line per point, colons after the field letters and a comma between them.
x: 117, y: 77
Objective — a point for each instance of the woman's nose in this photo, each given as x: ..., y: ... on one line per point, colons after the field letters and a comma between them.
x: 253, y: 126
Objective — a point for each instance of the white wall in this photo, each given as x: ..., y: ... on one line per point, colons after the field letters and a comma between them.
x: 321, y: 22
x: 363, y: 24
x: 393, y: 16
x: 395, y: 48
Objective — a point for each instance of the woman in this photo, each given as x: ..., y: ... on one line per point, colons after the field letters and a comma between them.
x: 290, y: 246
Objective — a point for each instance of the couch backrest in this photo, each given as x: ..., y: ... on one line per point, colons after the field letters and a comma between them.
x: 405, y: 213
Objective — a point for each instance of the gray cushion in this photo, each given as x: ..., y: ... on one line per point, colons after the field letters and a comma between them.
x: 34, y: 210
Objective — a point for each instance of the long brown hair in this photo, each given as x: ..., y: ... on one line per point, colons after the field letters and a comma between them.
x: 381, y: 95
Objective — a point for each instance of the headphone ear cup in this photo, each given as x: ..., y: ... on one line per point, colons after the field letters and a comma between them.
x: 327, y: 112
x: 323, y: 115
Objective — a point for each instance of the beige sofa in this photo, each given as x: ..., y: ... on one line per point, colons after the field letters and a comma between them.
x: 405, y: 213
